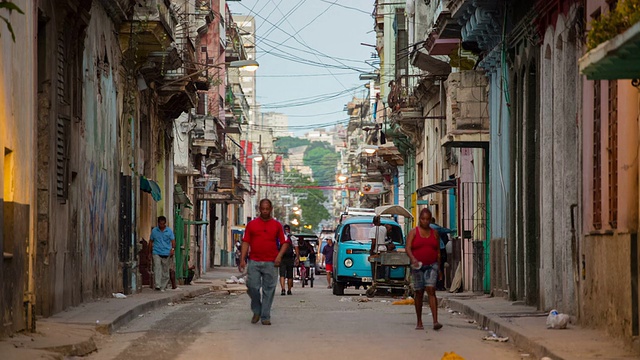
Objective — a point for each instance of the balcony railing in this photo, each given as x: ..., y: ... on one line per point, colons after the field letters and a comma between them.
x: 402, y: 98
x: 151, y: 28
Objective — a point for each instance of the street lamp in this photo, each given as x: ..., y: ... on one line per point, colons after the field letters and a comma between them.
x: 342, y: 178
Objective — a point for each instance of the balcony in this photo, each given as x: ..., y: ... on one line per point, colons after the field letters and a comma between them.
x: 178, y: 92
x: 234, y: 49
x: 405, y: 105
x: 117, y: 9
x: 151, y: 28
x: 480, y: 20
x: 446, y: 31
x: 467, y: 111
x: 205, y: 135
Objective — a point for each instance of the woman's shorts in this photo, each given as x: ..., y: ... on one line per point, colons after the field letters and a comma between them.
x: 425, y: 276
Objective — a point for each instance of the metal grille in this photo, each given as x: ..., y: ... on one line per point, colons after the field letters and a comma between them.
x: 613, y: 153
x: 597, y: 157
x: 473, y: 231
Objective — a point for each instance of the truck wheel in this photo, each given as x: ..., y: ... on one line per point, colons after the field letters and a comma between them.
x: 338, y: 288
x: 371, y: 292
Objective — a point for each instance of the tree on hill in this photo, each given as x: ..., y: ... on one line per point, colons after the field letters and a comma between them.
x: 322, y: 159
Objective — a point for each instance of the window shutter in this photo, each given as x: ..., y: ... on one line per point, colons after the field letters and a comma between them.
x: 62, y: 158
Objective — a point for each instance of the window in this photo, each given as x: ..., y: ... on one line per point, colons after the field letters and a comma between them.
x: 62, y: 158
x: 597, y: 166
x: 8, y: 175
x: 613, y: 153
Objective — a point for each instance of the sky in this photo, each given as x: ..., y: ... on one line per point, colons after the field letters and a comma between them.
x: 310, y: 57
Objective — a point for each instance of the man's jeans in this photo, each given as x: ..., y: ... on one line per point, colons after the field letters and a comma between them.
x: 161, y: 271
x: 261, y: 274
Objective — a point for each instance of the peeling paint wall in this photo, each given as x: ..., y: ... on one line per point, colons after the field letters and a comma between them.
x: 78, y: 233
x: 98, y: 203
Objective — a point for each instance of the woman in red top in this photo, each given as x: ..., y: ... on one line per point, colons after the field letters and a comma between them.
x: 423, y: 248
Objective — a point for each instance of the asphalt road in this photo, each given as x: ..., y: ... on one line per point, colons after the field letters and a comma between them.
x: 310, y: 324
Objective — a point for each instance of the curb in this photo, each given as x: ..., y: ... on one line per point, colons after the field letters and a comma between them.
x: 110, y: 328
x: 82, y: 348
x: 499, y: 326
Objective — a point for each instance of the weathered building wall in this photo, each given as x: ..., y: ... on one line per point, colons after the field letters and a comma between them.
x: 559, y: 161
x: 523, y: 236
x: 17, y: 139
x: 99, y: 162
x: 608, y: 250
x: 500, y: 181
x: 78, y: 206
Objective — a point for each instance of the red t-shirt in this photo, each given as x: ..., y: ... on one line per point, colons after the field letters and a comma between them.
x: 426, y: 249
x: 262, y: 236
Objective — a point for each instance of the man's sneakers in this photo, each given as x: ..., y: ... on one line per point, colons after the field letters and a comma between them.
x: 266, y: 322
x: 282, y: 292
x: 255, y: 318
x: 288, y: 292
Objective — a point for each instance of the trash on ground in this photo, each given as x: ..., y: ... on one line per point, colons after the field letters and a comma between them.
x: 556, y: 320
x: 302, y: 301
x: 241, y: 281
x: 494, y: 337
x: 119, y: 295
x: 363, y: 299
x: 451, y: 356
x: 384, y: 301
x: 346, y: 299
x: 141, y: 315
x: 213, y: 303
x: 170, y: 304
x: 232, y: 280
x: 472, y: 322
x: 407, y: 301
x: 233, y: 294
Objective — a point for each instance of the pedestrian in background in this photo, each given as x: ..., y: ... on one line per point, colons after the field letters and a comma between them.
x: 327, y: 252
x: 261, y: 237
x: 378, y: 235
x: 289, y: 259
x: 163, y: 245
x: 443, y: 236
x: 423, y: 248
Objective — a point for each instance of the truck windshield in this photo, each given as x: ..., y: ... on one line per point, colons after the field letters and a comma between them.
x: 360, y: 233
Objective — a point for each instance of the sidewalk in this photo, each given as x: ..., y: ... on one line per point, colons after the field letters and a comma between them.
x: 526, y: 328
x: 71, y: 332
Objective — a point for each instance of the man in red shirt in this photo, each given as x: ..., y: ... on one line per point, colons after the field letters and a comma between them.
x: 262, y: 235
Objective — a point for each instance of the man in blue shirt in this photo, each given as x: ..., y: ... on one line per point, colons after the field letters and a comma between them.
x: 163, y: 245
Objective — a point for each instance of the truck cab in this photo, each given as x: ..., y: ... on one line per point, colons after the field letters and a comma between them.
x: 351, y: 266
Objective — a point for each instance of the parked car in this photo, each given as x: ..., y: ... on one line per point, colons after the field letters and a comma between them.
x: 351, y: 266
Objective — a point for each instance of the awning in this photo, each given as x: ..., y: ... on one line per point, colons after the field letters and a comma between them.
x: 426, y: 62
x: 393, y: 210
x: 151, y: 187
x: 438, y: 187
x: 614, y: 59
x: 180, y: 198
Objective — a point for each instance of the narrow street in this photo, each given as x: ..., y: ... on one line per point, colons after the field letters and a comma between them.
x: 310, y: 324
